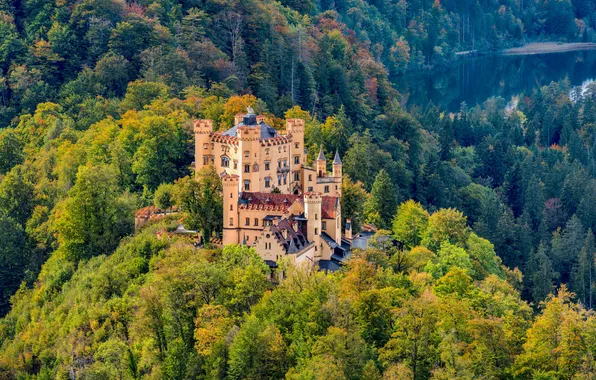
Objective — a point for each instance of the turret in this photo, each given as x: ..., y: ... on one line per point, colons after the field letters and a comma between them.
x: 202, y: 130
x: 321, y: 163
x: 348, y: 230
x: 337, y: 166
x: 230, y: 209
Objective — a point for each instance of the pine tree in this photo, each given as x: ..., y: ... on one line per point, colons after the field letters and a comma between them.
x: 383, y: 199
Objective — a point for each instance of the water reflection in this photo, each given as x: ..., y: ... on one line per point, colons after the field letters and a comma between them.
x: 476, y: 80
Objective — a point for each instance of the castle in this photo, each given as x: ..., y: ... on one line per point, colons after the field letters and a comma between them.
x: 272, y: 200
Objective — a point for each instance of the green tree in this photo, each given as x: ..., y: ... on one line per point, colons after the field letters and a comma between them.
x: 353, y: 197
x: 410, y: 223
x: 92, y: 218
x: 201, y: 200
x: 13, y: 255
x: 163, y: 198
x: 383, y: 199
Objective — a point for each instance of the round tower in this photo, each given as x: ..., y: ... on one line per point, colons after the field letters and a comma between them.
x: 230, y: 209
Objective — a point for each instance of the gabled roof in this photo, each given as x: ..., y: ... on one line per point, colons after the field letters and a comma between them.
x: 294, y: 242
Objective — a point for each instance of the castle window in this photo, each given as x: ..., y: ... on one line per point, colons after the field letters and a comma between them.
x: 212, y: 145
x: 235, y: 164
x: 285, y: 163
x: 247, y: 222
x: 296, y: 159
x: 310, y: 188
x: 316, y: 216
x: 326, y: 189
x: 206, y: 160
x: 309, y: 177
x: 324, y: 225
x: 267, y: 182
x: 278, y: 163
x: 213, y: 159
x: 231, y: 221
x: 285, y: 179
x: 284, y: 149
x: 267, y: 165
x: 231, y: 207
x: 246, y: 153
x: 267, y: 151
x: 247, y: 185
x: 297, y: 145
x: 247, y: 168
x: 205, y: 146
x: 296, y: 176
x: 231, y: 195
x: 316, y: 231
x: 278, y: 180
x: 256, y: 222
x: 225, y: 161
x: 279, y: 149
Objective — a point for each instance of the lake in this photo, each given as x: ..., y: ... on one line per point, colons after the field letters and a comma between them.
x: 477, y: 79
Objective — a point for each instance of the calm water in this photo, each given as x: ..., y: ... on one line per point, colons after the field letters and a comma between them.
x: 476, y: 80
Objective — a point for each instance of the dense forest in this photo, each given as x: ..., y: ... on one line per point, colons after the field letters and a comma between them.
x: 97, y: 99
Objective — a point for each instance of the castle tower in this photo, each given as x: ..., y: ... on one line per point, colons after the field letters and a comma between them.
x: 230, y: 209
x: 295, y: 128
x: 321, y: 164
x: 312, y: 212
x: 203, y: 153
x: 337, y: 166
x: 249, y: 155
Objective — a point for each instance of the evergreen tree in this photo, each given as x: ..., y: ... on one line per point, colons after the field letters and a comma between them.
x: 383, y: 199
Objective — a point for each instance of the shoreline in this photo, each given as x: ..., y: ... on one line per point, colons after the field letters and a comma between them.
x: 549, y: 47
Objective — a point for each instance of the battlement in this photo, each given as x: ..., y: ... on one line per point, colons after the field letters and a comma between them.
x: 295, y: 125
x: 246, y: 133
x: 230, y: 180
x: 203, y: 126
x: 312, y: 197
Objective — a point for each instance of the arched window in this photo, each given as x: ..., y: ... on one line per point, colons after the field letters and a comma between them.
x: 267, y: 151
x: 225, y: 161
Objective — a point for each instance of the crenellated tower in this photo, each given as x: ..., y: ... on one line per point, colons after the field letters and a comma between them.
x: 203, y: 149
x: 230, y: 209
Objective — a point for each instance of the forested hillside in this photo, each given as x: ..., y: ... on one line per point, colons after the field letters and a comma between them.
x: 97, y: 100
x: 159, y: 308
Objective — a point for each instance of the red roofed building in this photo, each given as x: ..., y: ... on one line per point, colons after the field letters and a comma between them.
x: 305, y: 228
